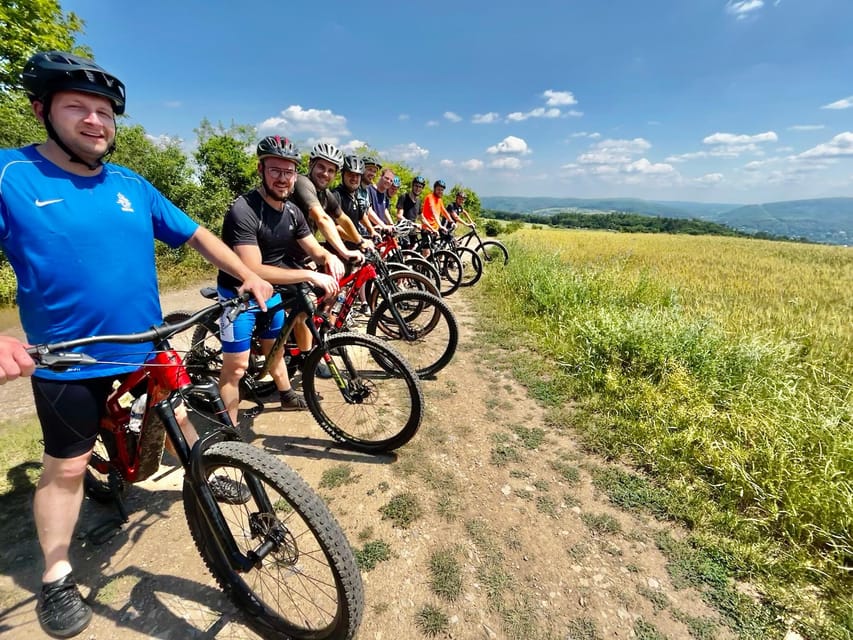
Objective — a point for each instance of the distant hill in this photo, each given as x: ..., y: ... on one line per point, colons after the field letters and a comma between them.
x: 827, y: 220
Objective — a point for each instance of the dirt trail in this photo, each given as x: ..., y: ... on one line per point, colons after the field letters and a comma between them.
x: 542, y: 553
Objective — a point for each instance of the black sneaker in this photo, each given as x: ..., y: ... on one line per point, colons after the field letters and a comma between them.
x: 61, y: 610
x: 229, y: 491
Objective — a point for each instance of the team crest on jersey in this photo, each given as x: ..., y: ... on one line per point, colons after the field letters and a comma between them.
x: 124, y: 203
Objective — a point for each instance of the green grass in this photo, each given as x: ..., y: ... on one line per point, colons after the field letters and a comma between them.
x: 372, y: 553
x: 432, y: 621
x: 338, y: 476
x: 601, y: 523
x: 721, y: 368
x: 445, y: 574
x: 402, y: 510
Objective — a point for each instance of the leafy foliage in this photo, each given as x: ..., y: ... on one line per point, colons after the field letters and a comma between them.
x: 29, y: 26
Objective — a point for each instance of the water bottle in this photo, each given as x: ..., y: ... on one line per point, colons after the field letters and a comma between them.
x: 137, y: 411
x: 338, y: 303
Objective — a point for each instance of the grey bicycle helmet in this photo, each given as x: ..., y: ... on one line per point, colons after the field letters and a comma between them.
x: 370, y: 161
x: 50, y: 71
x: 354, y: 164
x: 329, y: 152
x: 277, y: 147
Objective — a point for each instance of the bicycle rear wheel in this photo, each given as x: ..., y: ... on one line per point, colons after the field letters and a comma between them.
x: 434, y: 333
x: 302, y: 579
x: 449, y: 268
x: 472, y: 266
x: 378, y: 404
x: 204, y: 358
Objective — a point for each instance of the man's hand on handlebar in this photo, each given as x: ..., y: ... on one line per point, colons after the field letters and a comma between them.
x: 259, y: 288
x: 14, y: 359
x: 327, y: 283
x: 334, y: 267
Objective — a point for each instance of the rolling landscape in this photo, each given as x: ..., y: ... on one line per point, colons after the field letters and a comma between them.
x: 825, y: 220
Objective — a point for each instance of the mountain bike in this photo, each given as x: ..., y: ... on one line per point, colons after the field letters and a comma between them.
x: 492, y: 252
x: 373, y: 400
x: 447, y: 263
x: 270, y: 542
x: 420, y: 324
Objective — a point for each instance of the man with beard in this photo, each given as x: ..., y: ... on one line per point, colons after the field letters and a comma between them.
x: 266, y: 231
x: 322, y: 209
x: 409, y: 206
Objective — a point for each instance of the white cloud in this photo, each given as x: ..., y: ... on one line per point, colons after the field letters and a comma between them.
x: 316, y: 123
x: 741, y: 9
x: 538, y: 112
x: 432, y: 123
x: 584, y: 134
x: 510, y: 163
x: 649, y: 168
x: 453, y: 117
x: 472, y: 165
x: 840, y: 146
x: 353, y: 145
x: 710, y: 179
x: 737, y: 139
x: 446, y: 164
x: 485, y: 118
x: 558, y: 98
x: 805, y: 127
x: 403, y: 116
x: 511, y: 145
x: 163, y: 140
x: 614, y: 151
x: 173, y: 104
x: 410, y: 152
x: 844, y: 103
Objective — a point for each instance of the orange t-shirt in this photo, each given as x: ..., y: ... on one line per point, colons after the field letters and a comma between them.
x: 432, y: 211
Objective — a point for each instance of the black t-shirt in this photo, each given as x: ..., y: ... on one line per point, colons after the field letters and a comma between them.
x: 353, y: 204
x: 305, y: 195
x: 410, y: 205
x: 251, y: 221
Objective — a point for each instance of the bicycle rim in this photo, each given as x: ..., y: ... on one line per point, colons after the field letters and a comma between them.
x: 380, y: 406
x: 472, y: 266
x: 308, y: 586
x: 433, y: 330
x: 204, y: 358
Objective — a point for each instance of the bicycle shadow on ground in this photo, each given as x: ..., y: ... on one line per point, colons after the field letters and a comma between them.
x: 308, y: 447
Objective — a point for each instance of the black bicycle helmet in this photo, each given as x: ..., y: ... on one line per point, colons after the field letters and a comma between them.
x: 419, y: 180
x: 370, y: 161
x: 48, y: 72
x: 329, y: 152
x: 277, y: 147
x: 354, y: 164
x: 439, y: 183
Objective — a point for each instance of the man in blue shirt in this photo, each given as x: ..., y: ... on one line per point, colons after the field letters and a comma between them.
x: 79, y: 234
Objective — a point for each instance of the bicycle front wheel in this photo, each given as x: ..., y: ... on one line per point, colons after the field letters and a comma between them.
x: 449, y: 268
x: 493, y: 252
x: 431, y: 332
x: 299, y: 578
x: 373, y: 402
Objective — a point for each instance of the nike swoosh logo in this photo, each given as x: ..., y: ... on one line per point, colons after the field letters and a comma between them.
x: 44, y: 203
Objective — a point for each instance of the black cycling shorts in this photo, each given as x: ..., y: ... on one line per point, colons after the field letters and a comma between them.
x: 70, y: 412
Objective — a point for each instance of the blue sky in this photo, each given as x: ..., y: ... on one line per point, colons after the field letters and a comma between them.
x: 736, y: 101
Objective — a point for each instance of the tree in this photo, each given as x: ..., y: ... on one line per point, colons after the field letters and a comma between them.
x: 29, y: 26
x: 18, y: 125
x: 224, y: 158
x: 166, y: 166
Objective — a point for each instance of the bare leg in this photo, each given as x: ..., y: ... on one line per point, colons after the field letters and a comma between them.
x: 278, y: 369
x: 234, y: 367
x: 56, y: 508
x: 304, y: 339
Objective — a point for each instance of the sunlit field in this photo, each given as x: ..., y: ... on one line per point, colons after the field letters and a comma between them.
x: 721, y: 366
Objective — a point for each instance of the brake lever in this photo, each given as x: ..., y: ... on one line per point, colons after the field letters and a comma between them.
x: 62, y: 360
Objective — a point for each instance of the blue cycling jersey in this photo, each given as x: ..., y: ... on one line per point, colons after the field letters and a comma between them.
x: 83, y: 252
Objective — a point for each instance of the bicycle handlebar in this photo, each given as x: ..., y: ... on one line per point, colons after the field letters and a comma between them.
x: 47, y: 355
